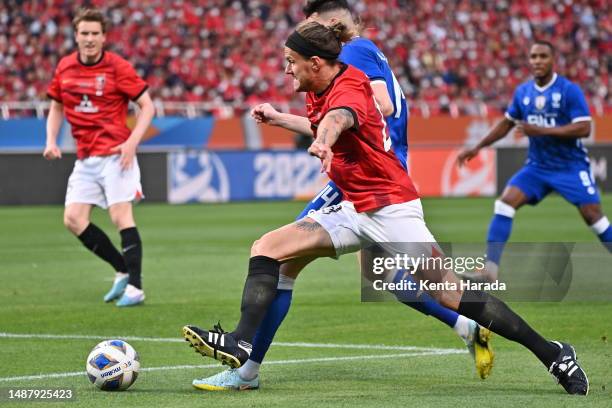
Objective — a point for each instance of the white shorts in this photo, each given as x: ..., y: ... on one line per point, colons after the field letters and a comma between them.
x: 395, y: 225
x: 99, y: 180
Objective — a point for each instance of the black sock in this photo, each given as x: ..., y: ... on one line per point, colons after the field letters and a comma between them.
x: 495, y: 315
x: 132, y: 254
x: 98, y: 242
x: 259, y: 291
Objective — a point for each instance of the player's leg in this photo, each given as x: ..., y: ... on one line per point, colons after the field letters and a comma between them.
x: 289, y: 271
x: 121, y: 188
x: 122, y: 216
x: 247, y: 376
x: 277, y: 311
x: 76, y: 219
x: 598, y: 222
x: 526, y: 186
x: 390, y: 228
x: 82, y: 194
x: 578, y: 187
x: 304, y: 238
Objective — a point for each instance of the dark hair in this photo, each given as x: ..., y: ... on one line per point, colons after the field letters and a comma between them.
x: 546, y: 43
x: 86, y: 14
x: 322, y: 6
x: 328, y: 39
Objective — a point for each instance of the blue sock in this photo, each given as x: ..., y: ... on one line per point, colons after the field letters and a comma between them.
x: 269, y: 326
x: 603, y: 229
x: 423, y: 302
x: 499, y: 231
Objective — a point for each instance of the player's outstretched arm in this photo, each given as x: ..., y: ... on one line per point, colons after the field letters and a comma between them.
x: 265, y: 113
x: 54, y: 122
x: 333, y: 124
x: 571, y: 131
x: 500, y: 131
x: 381, y: 94
x: 145, y: 116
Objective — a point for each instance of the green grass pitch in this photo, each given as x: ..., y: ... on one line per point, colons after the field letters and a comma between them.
x: 194, y: 267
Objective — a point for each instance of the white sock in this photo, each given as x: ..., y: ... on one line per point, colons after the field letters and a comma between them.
x: 120, y: 275
x: 462, y: 327
x: 491, y: 270
x: 250, y: 370
x: 132, y: 290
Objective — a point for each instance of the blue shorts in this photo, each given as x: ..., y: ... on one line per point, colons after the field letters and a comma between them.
x: 576, y: 185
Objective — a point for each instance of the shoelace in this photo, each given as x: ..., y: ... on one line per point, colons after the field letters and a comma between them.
x: 219, y: 330
x: 558, y: 368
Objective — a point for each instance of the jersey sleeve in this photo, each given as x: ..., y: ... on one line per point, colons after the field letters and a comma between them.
x: 128, y: 81
x: 577, y: 107
x: 513, y: 112
x: 352, y: 95
x: 54, y: 91
x: 366, y: 61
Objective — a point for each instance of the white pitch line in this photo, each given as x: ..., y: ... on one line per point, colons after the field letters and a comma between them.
x: 179, y: 340
x: 277, y: 362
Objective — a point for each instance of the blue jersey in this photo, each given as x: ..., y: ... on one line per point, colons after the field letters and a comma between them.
x: 365, y: 55
x: 558, y: 103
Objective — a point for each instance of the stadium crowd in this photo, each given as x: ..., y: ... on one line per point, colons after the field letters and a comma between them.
x: 448, y: 54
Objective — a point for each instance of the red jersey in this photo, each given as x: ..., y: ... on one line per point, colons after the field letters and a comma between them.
x: 95, y: 99
x: 364, y: 167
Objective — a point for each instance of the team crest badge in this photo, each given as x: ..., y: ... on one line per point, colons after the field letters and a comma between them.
x: 526, y: 101
x: 100, y: 81
x: 556, y: 100
x: 540, y: 102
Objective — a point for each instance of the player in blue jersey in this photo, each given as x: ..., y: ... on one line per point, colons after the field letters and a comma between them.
x: 552, y: 112
x: 363, y: 54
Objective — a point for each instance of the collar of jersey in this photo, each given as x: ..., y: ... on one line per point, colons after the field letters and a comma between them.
x: 548, y: 85
x: 344, y: 67
x: 92, y: 64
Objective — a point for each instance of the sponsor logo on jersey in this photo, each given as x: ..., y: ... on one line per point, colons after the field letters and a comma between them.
x: 556, y: 100
x: 100, y: 81
x: 540, y: 102
x: 86, y: 106
x: 541, y: 121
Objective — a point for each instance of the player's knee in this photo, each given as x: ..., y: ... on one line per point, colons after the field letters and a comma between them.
x: 122, y: 222
x: 121, y: 215
x: 261, y: 247
x: 513, y: 197
x: 75, y: 222
x: 591, y: 214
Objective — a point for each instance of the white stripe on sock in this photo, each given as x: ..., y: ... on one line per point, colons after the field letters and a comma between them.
x: 504, y: 209
x: 285, y: 282
x: 601, y: 226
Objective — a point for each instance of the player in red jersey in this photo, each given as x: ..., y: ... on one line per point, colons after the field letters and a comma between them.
x: 92, y: 88
x: 381, y: 207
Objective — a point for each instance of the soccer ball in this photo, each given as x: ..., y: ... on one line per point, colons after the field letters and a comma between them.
x: 113, y: 365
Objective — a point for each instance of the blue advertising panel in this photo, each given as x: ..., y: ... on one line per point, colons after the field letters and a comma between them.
x: 204, y: 176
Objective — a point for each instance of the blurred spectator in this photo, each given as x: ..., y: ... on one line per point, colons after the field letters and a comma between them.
x: 450, y: 56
